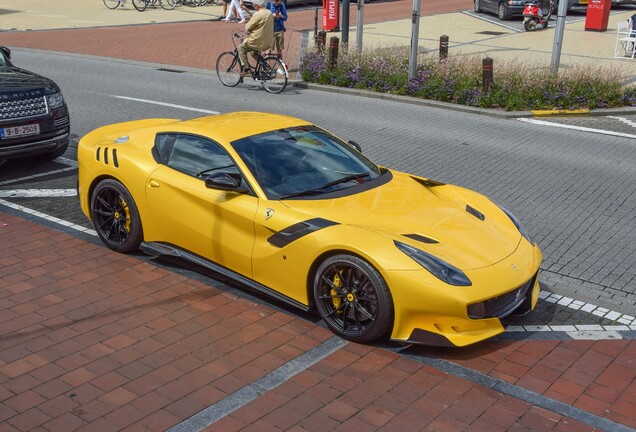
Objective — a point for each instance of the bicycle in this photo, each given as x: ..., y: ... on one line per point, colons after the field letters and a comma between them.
x: 140, y: 5
x: 269, y: 70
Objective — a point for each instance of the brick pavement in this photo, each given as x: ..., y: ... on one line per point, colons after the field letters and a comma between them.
x: 93, y: 340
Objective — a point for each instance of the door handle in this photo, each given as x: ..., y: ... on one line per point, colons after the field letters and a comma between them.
x: 153, y: 184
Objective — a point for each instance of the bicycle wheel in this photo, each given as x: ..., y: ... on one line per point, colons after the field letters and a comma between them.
x: 140, y: 5
x: 168, y: 4
x: 111, y: 4
x: 228, y: 69
x: 273, y: 74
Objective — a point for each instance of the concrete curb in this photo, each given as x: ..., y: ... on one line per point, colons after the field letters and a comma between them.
x: 463, y: 108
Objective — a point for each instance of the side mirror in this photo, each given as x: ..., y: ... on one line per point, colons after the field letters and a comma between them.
x: 355, y: 145
x: 6, y: 51
x: 225, y: 181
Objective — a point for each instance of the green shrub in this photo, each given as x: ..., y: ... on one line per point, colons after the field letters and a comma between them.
x: 458, y: 79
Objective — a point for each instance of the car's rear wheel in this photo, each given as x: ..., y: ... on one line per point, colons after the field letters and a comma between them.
x: 115, y: 216
x: 353, y: 299
x: 477, y: 6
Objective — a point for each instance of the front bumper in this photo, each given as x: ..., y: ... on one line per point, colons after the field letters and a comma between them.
x: 430, y: 312
x: 54, y: 134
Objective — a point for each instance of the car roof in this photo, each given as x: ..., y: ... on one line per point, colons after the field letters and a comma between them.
x: 232, y: 126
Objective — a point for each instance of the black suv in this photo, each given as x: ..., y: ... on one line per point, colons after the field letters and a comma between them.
x: 34, y: 118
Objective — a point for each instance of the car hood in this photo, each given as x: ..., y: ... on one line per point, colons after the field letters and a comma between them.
x: 18, y: 83
x: 439, y: 219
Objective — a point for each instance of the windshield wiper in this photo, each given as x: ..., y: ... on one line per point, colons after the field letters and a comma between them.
x: 304, y: 193
x: 346, y: 179
x: 322, y: 188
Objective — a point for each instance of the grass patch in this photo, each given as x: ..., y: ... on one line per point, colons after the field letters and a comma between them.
x: 458, y: 79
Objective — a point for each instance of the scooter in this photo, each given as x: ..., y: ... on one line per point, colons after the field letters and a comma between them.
x: 533, y: 15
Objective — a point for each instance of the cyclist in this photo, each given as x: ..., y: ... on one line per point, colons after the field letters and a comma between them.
x: 261, y: 34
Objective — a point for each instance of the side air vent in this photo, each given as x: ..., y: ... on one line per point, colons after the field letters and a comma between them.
x: 421, y: 238
x: 473, y: 211
x: 108, y: 156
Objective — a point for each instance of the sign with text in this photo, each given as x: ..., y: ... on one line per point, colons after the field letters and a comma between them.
x: 330, y: 9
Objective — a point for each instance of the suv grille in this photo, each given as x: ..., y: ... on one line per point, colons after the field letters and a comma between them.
x: 23, y: 108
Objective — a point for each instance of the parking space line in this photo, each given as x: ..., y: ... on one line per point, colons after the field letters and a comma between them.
x: 34, y: 176
x: 47, y: 217
x: 247, y: 394
x: 166, y: 104
x: 579, y: 128
x: 37, y: 193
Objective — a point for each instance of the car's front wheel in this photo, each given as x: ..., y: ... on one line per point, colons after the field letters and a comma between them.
x: 353, y: 299
x: 502, y: 11
x: 115, y: 216
x: 477, y: 6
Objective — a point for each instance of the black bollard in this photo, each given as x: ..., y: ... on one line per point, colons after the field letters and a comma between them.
x: 487, y: 70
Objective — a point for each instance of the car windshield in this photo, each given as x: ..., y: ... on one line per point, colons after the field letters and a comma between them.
x: 303, y: 161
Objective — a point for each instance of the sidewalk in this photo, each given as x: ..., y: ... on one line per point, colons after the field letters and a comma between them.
x: 92, y: 340
x: 191, y: 37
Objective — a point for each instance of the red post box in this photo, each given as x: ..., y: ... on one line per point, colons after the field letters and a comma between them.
x: 597, y: 15
x: 330, y: 10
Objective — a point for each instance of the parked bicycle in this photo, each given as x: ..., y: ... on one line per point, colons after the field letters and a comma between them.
x: 268, y: 70
x: 114, y: 4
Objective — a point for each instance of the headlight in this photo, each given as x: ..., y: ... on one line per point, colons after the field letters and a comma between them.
x: 520, y: 227
x: 438, y: 268
x: 55, y: 100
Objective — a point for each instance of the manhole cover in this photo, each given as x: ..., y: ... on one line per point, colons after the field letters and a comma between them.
x: 170, y: 70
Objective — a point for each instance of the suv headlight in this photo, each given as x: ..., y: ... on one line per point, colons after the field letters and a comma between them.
x: 438, y: 268
x: 55, y: 100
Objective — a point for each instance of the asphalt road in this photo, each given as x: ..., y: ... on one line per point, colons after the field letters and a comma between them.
x: 573, y: 189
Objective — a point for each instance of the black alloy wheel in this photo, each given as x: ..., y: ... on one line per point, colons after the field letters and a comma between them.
x: 353, y: 299
x: 115, y: 217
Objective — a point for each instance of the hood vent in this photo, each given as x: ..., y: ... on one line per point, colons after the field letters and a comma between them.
x: 473, y: 211
x: 421, y: 238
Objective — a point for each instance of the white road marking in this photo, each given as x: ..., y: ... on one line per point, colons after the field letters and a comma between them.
x: 66, y: 161
x: 37, y: 193
x: 579, y: 128
x: 624, y: 120
x: 166, y: 104
x: 48, y: 217
x: 34, y: 176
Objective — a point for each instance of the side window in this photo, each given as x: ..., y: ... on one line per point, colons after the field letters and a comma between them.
x: 191, y: 154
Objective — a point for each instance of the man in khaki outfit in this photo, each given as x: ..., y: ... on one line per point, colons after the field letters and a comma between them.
x: 261, y: 34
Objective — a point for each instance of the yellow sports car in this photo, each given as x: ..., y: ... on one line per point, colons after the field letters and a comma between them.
x: 292, y: 211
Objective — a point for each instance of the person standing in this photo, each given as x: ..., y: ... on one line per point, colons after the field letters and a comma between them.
x: 279, y: 11
x: 261, y: 34
x: 235, y: 6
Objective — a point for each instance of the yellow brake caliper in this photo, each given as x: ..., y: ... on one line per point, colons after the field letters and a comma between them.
x: 334, y: 299
x: 124, y: 208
